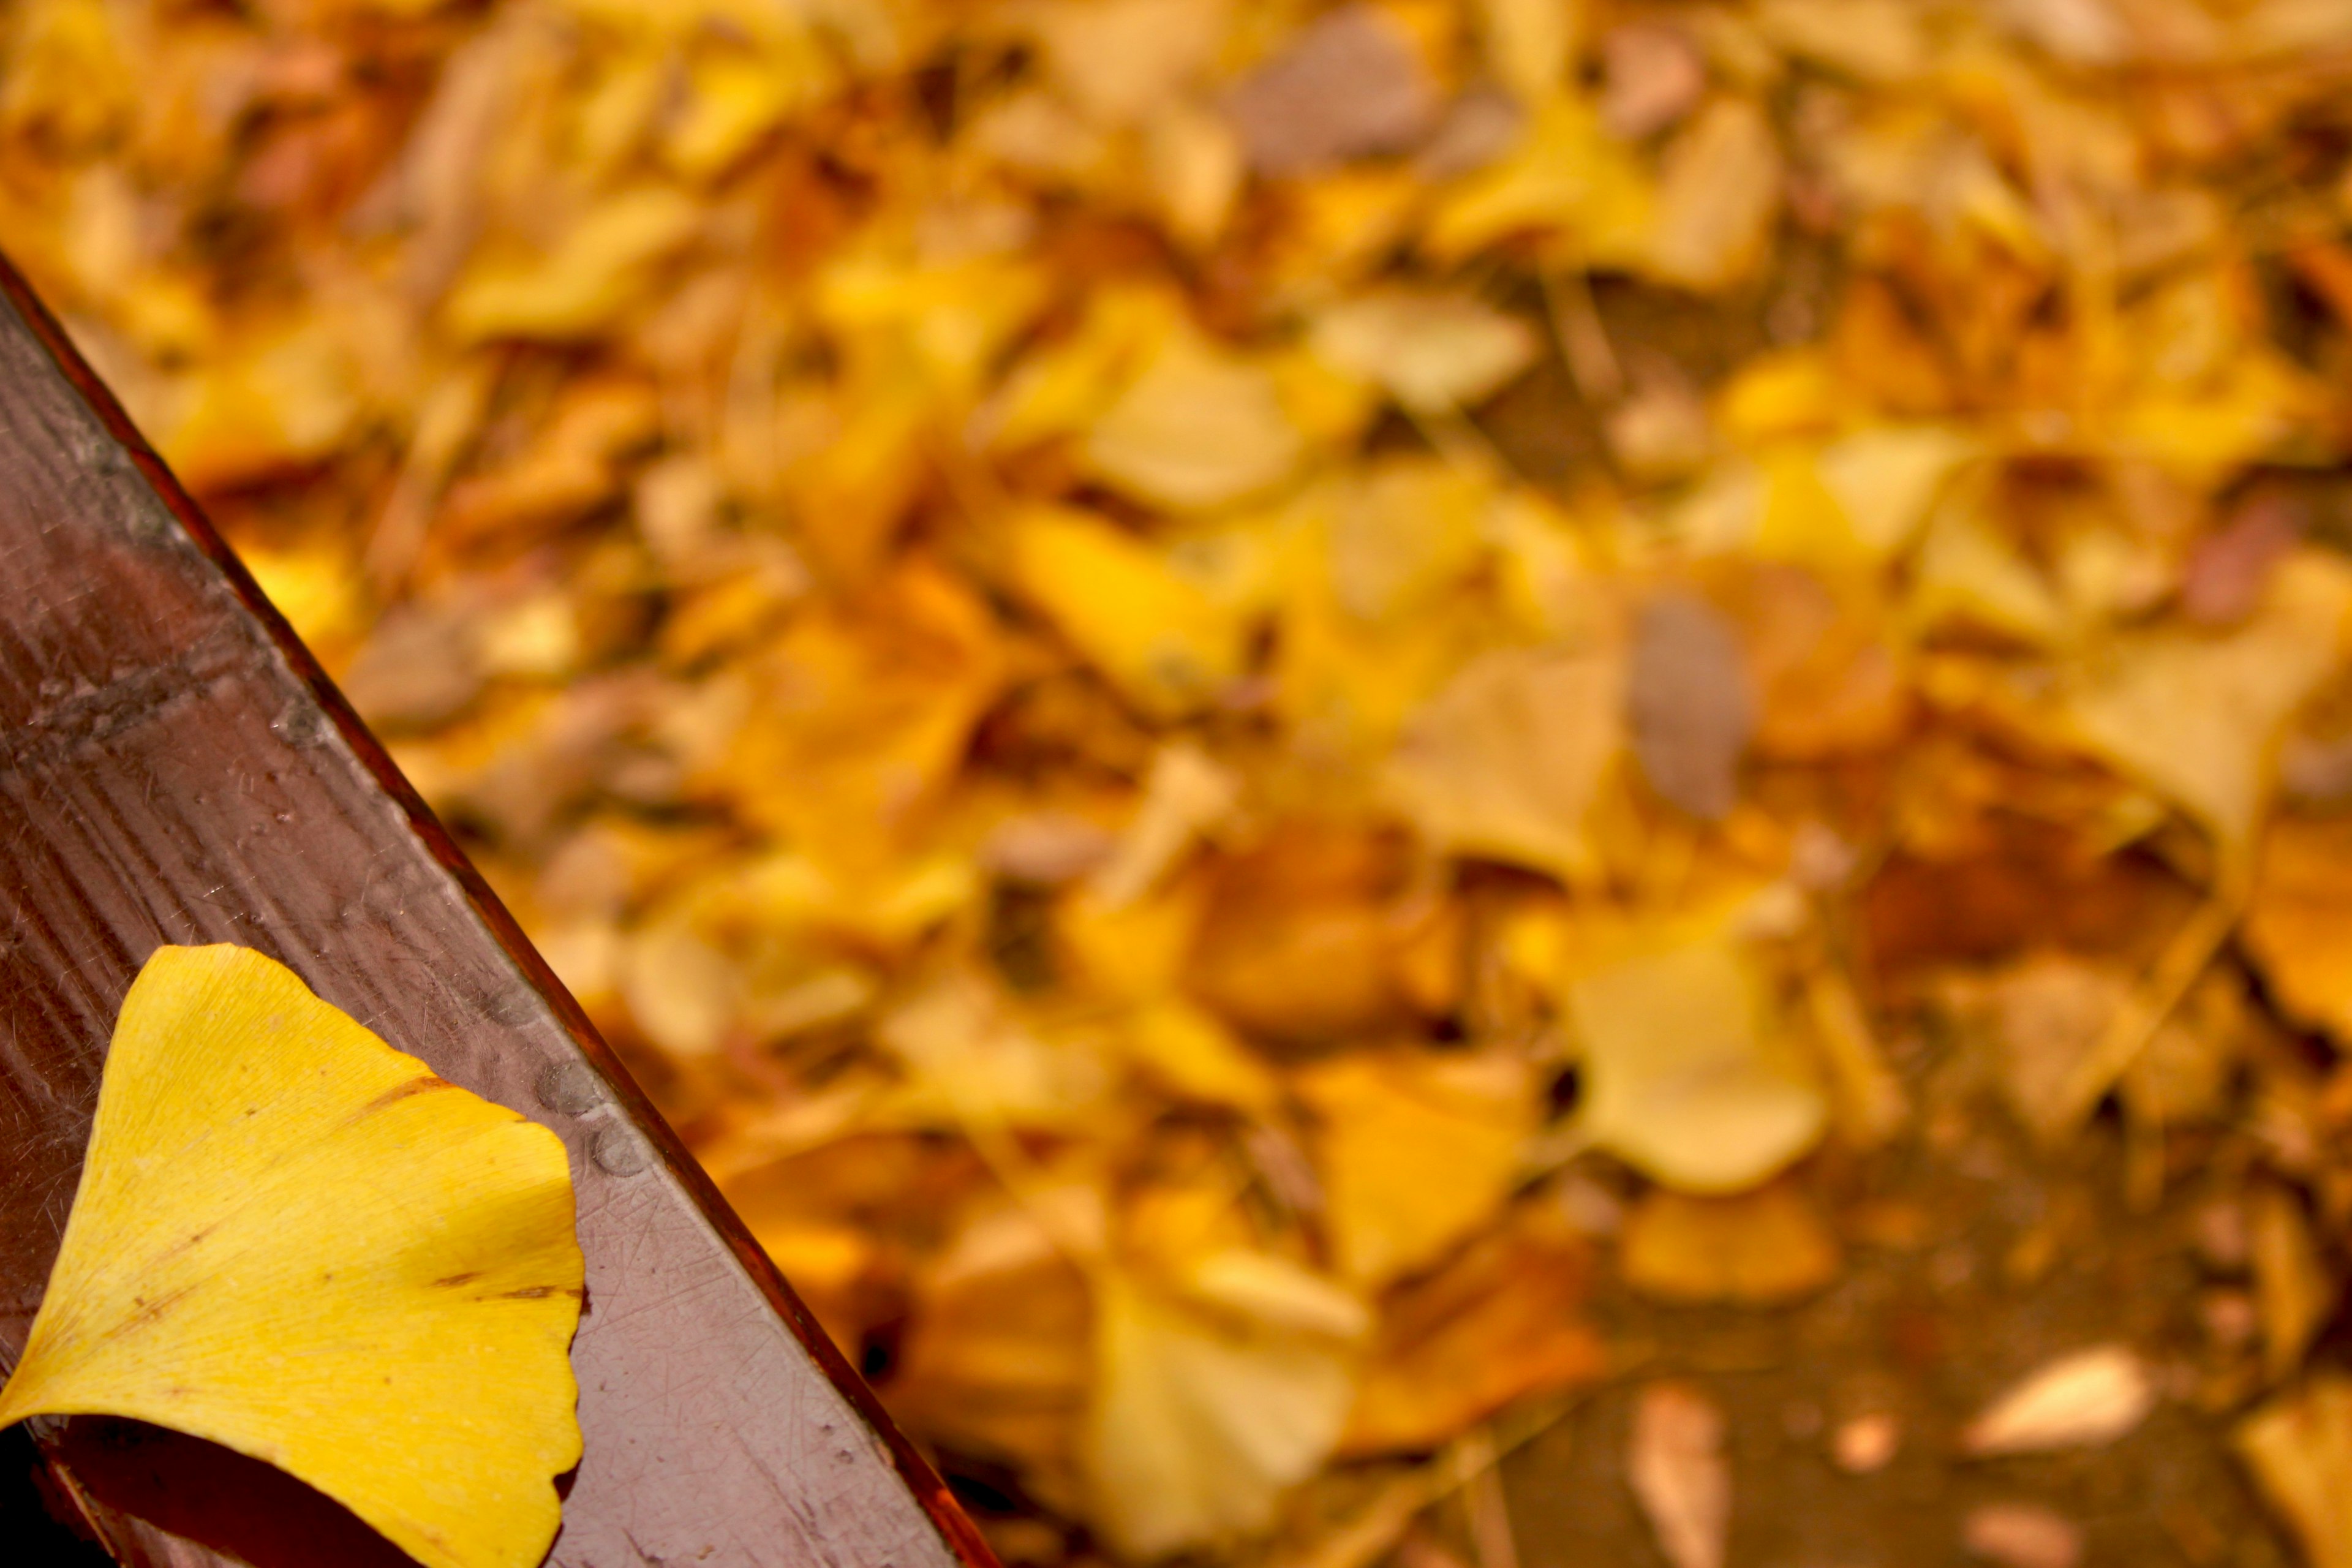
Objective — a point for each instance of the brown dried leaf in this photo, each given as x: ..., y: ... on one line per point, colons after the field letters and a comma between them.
x: 1651, y: 78
x: 2022, y: 1535
x: 417, y: 667
x: 1350, y: 84
x: 1689, y: 703
x: 2084, y: 1399
x: 1676, y: 1467
x: 2226, y: 573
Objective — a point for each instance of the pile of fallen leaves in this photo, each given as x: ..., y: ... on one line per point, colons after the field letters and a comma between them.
x: 1226, y: 695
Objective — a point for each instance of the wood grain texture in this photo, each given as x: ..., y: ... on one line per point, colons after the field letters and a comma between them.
x: 175, y: 769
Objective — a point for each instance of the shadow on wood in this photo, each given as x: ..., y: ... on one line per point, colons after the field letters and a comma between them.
x: 216, y: 1498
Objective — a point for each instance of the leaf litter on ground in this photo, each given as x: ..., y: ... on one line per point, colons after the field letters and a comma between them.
x: 1233, y: 701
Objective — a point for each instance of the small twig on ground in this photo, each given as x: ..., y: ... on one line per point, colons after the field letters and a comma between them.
x: 1378, y: 1526
x: 1583, y: 341
x: 2136, y: 1023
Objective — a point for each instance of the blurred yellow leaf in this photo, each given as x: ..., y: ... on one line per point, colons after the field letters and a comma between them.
x: 1718, y: 190
x: 1416, y: 1152
x: 1687, y: 1076
x: 1194, y: 1055
x: 1197, y: 428
x: 1122, y: 60
x: 997, y: 1356
x: 1404, y: 535
x: 1528, y: 43
x: 1567, y: 181
x: 1163, y: 637
x: 857, y: 713
x: 1431, y: 352
x: 1756, y: 1248
x: 971, y: 1061
x: 1875, y: 40
x: 1295, y: 944
x: 734, y: 98
x: 66, y: 83
x: 1198, y: 1420
x: 2299, y: 920
x: 1885, y: 478
x: 289, y: 398
x: 2298, y: 1446
x: 602, y: 267
x: 1508, y: 761
x: 1499, y: 1323
x: 2198, y: 717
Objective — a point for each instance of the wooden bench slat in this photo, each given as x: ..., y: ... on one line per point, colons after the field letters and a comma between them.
x: 173, y: 768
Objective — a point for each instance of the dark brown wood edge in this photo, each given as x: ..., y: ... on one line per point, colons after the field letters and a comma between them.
x: 947, y: 1515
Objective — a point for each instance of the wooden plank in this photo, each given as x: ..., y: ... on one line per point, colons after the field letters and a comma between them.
x: 173, y: 768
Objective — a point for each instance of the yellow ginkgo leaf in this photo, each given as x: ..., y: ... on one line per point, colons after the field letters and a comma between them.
x: 2197, y: 717
x: 1200, y: 1418
x: 1198, y: 428
x: 1683, y: 1079
x: 1432, y: 351
x: 296, y: 1242
x: 1508, y: 761
x: 1417, y: 1149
